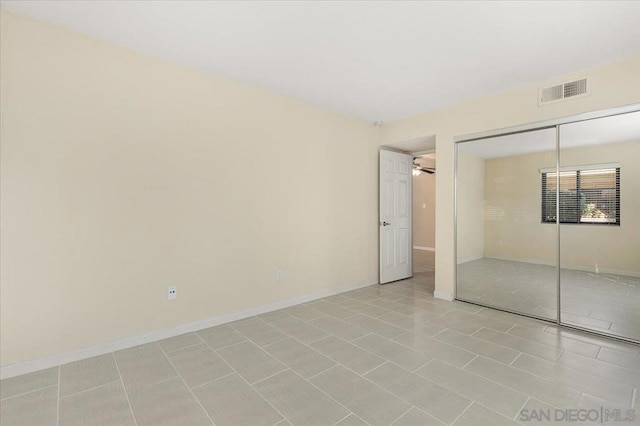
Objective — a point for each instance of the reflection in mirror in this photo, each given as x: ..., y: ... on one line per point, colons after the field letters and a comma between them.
x: 600, y: 224
x: 506, y: 256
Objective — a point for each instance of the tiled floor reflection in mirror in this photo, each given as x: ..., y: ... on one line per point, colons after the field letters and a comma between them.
x: 607, y: 303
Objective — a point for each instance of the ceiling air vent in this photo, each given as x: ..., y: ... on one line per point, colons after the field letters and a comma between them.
x: 571, y: 89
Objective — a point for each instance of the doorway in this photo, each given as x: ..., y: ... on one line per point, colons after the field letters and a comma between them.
x: 419, y: 203
x: 424, y: 219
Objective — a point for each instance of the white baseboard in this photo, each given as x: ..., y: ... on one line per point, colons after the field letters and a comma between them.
x: 468, y: 259
x: 55, y: 360
x: 583, y: 268
x: 442, y: 295
x: 424, y: 248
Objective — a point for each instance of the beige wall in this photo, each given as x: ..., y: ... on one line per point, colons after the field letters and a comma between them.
x: 611, y: 85
x: 513, y: 186
x: 470, y: 207
x: 424, y: 210
x: 123, y: 174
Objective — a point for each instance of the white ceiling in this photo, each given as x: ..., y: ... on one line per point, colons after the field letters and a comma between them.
x: 614, y: 129
x: 377, y: 61
x: 510, y: 145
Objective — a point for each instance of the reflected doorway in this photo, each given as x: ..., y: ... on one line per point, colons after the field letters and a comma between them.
x: 424, y: 223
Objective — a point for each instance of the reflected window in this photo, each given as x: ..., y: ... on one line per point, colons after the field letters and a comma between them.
x: 588, y: 195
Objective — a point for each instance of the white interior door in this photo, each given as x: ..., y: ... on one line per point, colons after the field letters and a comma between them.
x: 395, y: 216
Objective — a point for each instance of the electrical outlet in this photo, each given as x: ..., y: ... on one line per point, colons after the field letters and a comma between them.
x: 172, y: 293
x: 279, y: 274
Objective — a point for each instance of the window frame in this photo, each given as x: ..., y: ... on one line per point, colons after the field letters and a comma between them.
x: 579, y: 221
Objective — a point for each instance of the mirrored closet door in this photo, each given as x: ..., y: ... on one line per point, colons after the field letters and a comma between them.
x: 506, y: 258
x: 548, y: 223
x: 600, y: 224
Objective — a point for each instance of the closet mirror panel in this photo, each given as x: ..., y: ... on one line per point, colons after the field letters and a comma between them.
x: 600, y: 224
x: 506, y: 254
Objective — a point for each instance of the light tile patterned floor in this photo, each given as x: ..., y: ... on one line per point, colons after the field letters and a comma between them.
x: 601, y: 302
x: 380, y: 355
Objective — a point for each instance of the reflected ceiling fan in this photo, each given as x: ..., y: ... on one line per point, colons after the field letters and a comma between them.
x: 417, y: 168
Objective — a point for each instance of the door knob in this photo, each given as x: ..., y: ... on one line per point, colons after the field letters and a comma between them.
x: 385, y: 224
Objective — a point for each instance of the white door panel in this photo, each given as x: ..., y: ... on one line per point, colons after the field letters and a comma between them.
x: 395, y: 216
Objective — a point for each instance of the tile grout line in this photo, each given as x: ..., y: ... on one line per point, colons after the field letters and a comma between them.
x: 599, y: 344
x: 313, y: 341
x: 522, y: 408
x: 491, y: 381
x: 327, y: 314
x: 402, y: 415
x: 259, y: 316
x: 435, y: 336
x: 323, y: 371
x: 530, y: 374
x: 286, y: 337
x: 495, y: 411
x: 183, y: 348
x: 456, y: 392
x: 309, y: 347
x: 515, y: 359
x: 344, y: 418
x: 598, y: 353
x: 212, y: 381
x: 488, y: 380
x: 353, y: 342
x: 188, y: 388
x: 463, y: 411
x: 91, y: 388
x: 470, y: 350
x: 297, y: 339
x: 439, y: 341
x: 402, y: 330
x: 307, y: 307
x: 334, y: 361
x: 422, y: 366
x: 474, y: 358
x: 373, y: 353
x: 271, y: 375
x: 233, y: 344
x: 28, y: 392
x: 518, y: 350
x: 398, y: 396
x: 326, y: 394
x: 245, y: 380
x: 372, y: 369
x: 265, y: 352
x: 126, y: 393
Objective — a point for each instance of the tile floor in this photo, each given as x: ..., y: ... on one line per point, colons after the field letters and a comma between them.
x: 380, y: 355
x: 601, y: 302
